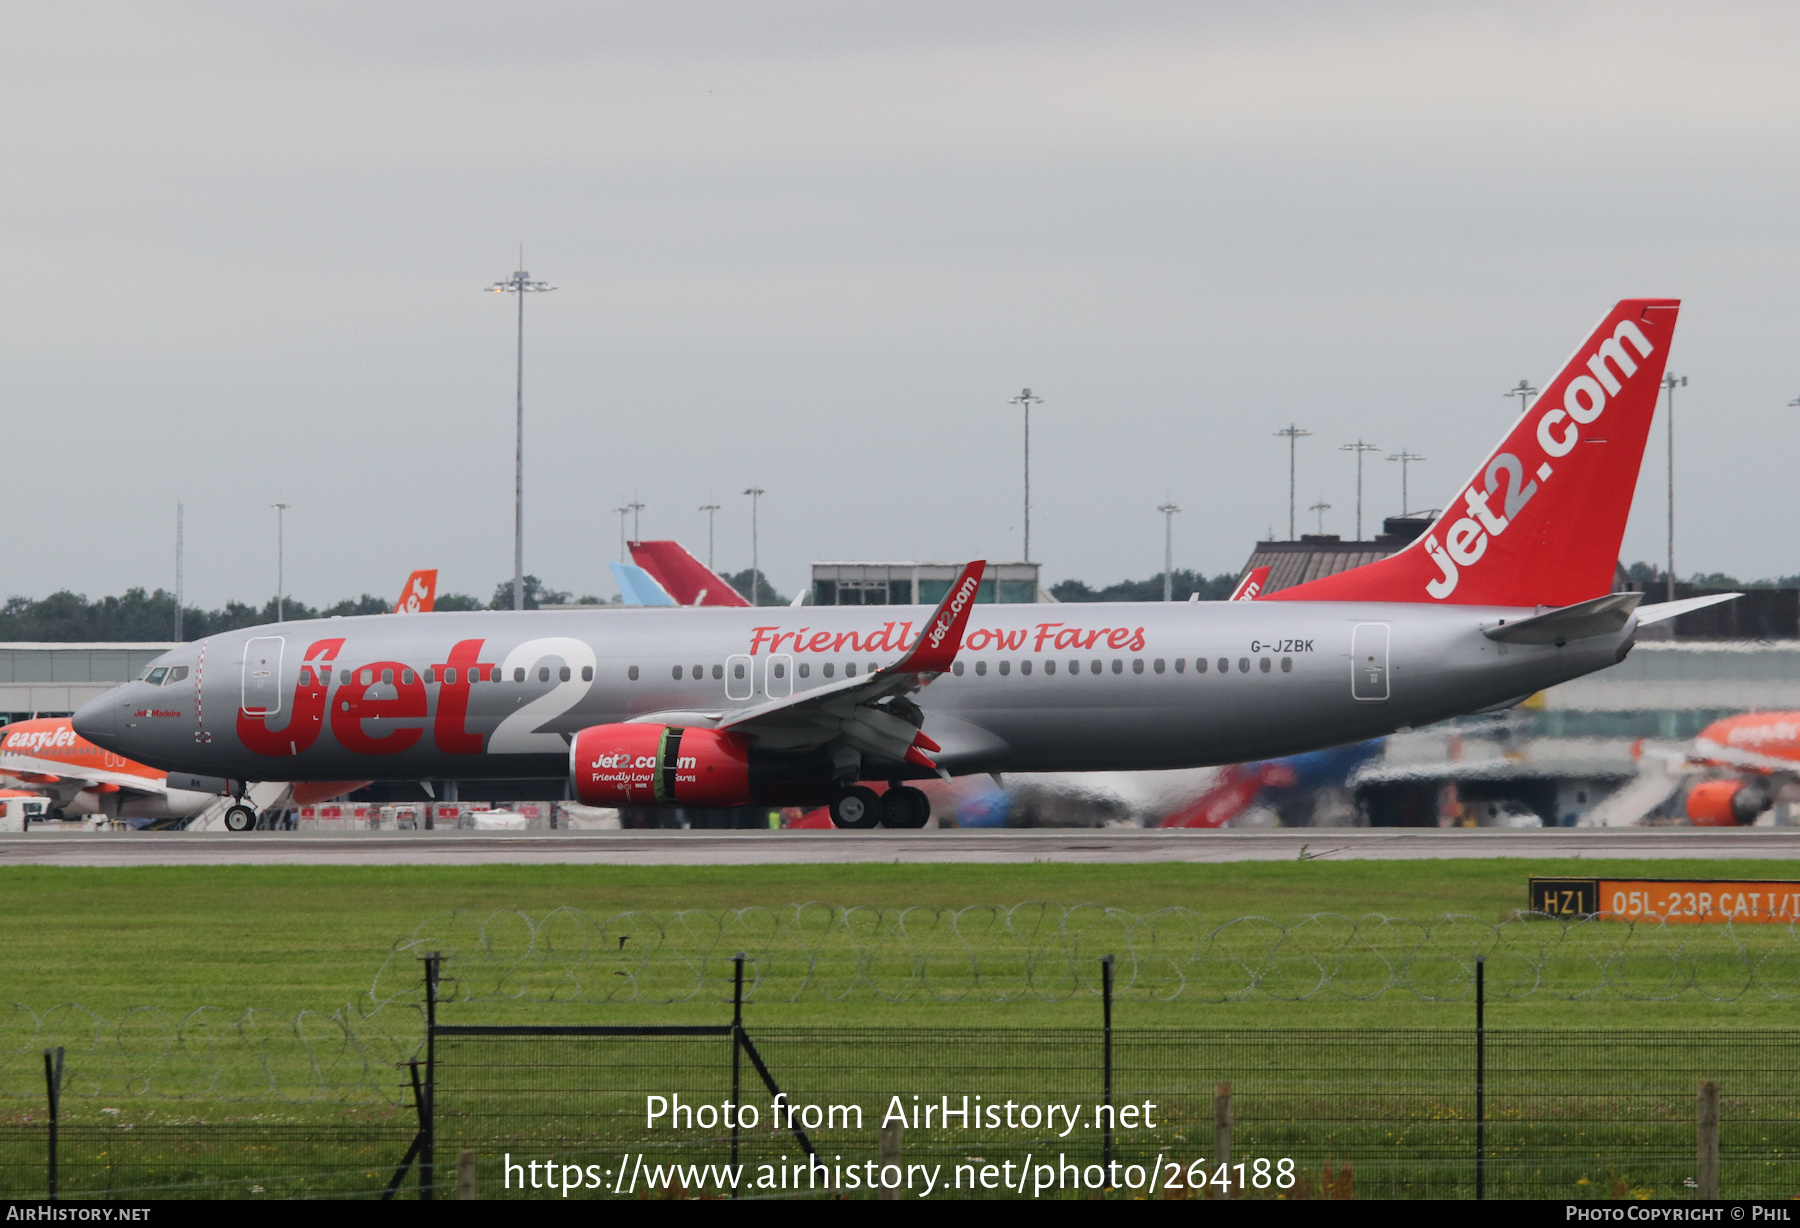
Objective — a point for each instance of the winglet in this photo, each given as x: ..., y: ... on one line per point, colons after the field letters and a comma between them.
x: 1251, y: 586
x: 936, y: 646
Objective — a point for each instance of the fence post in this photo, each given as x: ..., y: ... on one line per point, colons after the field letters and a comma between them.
x: 1480, y: 1077
x: 890, y: 1154
x: 1222, y: 1137
x: 737, y: 1049
x: 465, y: 1176
x: 1706, y: 1174
x: 427, y: 1102
x: 1106, y: 992
x: 53, y: 1072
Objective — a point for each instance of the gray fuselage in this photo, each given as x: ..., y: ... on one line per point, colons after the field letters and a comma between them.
x: 1073, y: 687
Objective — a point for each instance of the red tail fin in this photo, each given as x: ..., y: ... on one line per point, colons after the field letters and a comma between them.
x: 1541, y: 521
x: 419, y: 594
x: 1251, y: 586
x: 685, y: 577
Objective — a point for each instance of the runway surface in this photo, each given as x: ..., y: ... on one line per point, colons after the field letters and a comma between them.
x: 696, y: 848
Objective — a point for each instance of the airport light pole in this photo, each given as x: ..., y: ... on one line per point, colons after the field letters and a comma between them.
x: 709, y: 509
x: 755, y: 493
x: 1524, y: 392
x: 1320, y: 507
x: 1405, y: 458
x: 280, y: 587
x: 1293, y: 434
x: 1027, y: 400
x: 178, y: 562
x: 519, y: 283
x: 1168, y: 510
x: 1671, y: 383
x: 1359, y: 447
x: 623, y: 512
x: 635, y: 507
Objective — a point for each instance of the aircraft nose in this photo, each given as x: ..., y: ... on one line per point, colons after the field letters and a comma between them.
x: 98, y: 720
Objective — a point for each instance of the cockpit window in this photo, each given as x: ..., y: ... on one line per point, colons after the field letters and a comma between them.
x: 155, y: 676
x: 176, y: 674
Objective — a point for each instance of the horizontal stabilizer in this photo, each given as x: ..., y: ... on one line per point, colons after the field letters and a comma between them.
x: 1602, y: 616
x: 1664, y: 610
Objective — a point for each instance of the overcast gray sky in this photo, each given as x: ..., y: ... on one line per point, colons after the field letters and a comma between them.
x: 816, y: 248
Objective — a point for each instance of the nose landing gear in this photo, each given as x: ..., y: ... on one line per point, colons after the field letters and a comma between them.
x: 240, y: 818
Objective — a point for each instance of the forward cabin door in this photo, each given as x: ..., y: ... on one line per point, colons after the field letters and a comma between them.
x: 1369, y: 662
x: 262, y: 676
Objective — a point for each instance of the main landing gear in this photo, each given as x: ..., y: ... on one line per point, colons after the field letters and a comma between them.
x: 861, y: 808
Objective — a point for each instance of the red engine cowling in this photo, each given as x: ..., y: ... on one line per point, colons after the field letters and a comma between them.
x: 657, y: 765
x: 1724, y: 803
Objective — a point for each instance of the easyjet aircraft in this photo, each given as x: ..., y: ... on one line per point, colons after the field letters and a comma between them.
x: 1506, y: 594
x: 1762, y: 750
x: 49, y: 757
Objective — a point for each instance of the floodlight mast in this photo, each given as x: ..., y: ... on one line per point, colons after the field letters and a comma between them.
x: 1524, y: 392
x: 1321, y: 507
x: 519, y: 283
x: 755, y: 493
x: 178, y: 563
x: 1671, y: 383
x: 280, y: 587
x: 1168, y: 510
x: 1027, y: 400
x: 1359, y: 447
x: 1405, y: 458
x: 1292, y: 433
x: 709, y: 509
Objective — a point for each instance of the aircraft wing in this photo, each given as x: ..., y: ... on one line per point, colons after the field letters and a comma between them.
x: 868, y: 713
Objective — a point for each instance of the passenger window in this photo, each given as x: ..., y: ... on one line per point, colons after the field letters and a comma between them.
x: 780, y: 670
x: 1224, y: 666
x: 632, y: 673
x: 1264, y: 666
x: 805, y: 670
x: 519, y: 673
x: 1075, y: 667
x: 830, y: 668
x: 1137, y: 665
x: 450, y: 677
x: 587, y: 673
x: 368, y: 677
x: 387, y: 677
x: 718, y: 672
x: 1243, y: 665
x: 1181, y: 665
x: 406, y: 676
x: 737, y: 671
x: 1025, y: 667
x: 543, y: 673
x: 955, y: 669
x: 562, y: 675
x: 1050, y: 666
x: 1118, y: 666
x: 344, y: 677
x: 699, y: 672
x: 306, y: 675
x: 1094, y: 667
x: 1158, y: 666
x: 430, y: 675
x: 849, y: 669
x: 177, y: 674
x: 676, y: 673
x: 874, y: 666
x: 981, y: 669
x: 157, y: 675
x: 1287, y: 665
x: 1005, y: 668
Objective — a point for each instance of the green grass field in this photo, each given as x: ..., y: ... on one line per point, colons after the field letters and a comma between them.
x: 312, y: 938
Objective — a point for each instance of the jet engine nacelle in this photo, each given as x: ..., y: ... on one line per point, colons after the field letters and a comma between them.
x: 1725, y: 803
x: 658, y: 765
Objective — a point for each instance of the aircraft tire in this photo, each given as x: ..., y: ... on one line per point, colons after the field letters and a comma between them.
x: 240, y: 818
x: 905, y: 807
x: 856, y: 807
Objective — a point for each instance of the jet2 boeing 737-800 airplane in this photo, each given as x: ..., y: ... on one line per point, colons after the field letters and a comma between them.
x: 1507, y: 593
